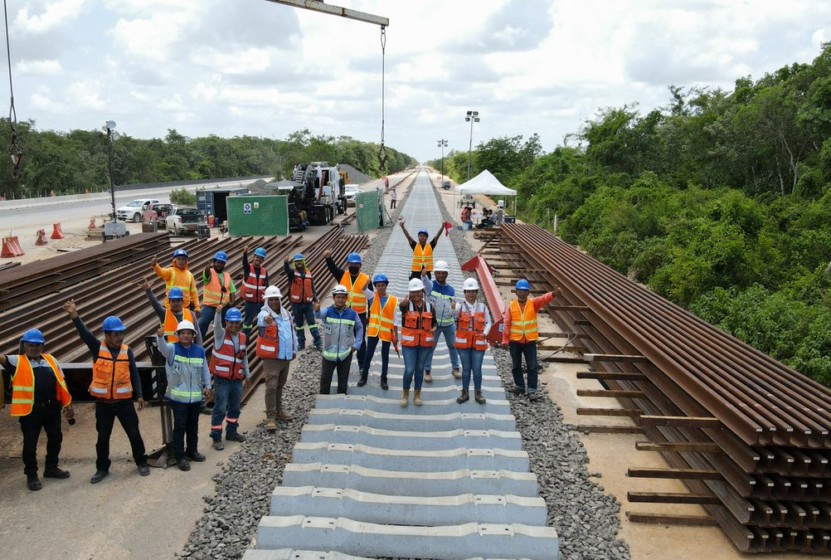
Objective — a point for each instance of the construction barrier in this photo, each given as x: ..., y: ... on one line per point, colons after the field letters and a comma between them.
x: 92, y: 225
x: 41, y: 240
x: 56, y: 231
x: 11, y: 248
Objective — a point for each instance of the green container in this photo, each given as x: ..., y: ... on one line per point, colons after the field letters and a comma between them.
x: 369, y: 206
x: 251, y: 216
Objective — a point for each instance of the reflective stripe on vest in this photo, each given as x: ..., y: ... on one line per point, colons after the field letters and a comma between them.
x: 111, y: 377
x: 338, y: 337
x: 416, y: 327
x: 382, y: 321
x: 23, y: 385
x: 171, y: 324
x: 268, y: 342
x: 191, y: 392
x: 253, y: 286
x: 356, y: 299
x: 523, y: 322
x: 181, y: 279
x: 300, y: 290
x: 422, y: 256
x: 212, y: 294
x: 225, y: 363
x: 470, y: 332
x: 441, y: 303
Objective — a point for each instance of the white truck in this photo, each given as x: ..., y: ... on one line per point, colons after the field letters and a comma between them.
x: 134, y: 209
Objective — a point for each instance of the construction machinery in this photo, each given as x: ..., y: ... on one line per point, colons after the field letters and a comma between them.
x: 318, y: 192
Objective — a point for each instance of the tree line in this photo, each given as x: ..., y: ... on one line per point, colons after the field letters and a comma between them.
x: 720, y: 201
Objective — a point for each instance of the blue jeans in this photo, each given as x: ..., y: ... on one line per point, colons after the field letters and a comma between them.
x: 206, y: 318
x: 304, y: 313
x: 227, y: 402
x: 529, y: 350
x: 414, y: 360
x: 449, y: 332
x: 471, y: 363
x: 371, y: 345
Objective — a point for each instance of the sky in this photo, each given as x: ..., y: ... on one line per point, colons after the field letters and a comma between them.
x: 257, y: 68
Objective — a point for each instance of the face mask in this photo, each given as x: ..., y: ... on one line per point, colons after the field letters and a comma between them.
x: 354, y: 269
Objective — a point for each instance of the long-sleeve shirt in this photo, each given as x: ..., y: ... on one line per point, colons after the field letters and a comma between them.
x: 185, y: 281
x: 161, y: 312
x: 257, y: 270
x: 345, y: 313
x: 537, y: 302
x: 440, y: 296
x: 184, y: 375
x: 219, y: 338
x: 286, y: 336
x: 94, y: 346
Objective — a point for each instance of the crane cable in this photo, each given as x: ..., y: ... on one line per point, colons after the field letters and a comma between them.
x: 15, y: 152
x: 382, y: 151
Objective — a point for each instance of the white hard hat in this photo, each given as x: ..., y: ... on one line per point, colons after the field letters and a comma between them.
x: 440, y: 266
x: 470, y: 284
x: 272, y: 292
x: 185, y: 326
x: 340, y: 289
x: 416, y: 285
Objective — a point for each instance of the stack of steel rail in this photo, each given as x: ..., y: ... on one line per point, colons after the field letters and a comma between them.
x: 747, y: 435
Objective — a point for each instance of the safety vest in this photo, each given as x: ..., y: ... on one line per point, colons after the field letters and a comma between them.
x: 523, y: 322
x: 171, y: 324
x: 225, y: 363
x: 441, y: 307
x: 356, y: 299
x: 253, y: 285
x: 111, y: 377
x: 23, y: 385
x: 470, y: 332
x: 212, y: 294
x: 417, y: 327
x: 184, y: 377
x: 338, y: 337
x: 422, y: 256
x: 182, y: 279
x: 382, y: 321
x: 268, y: 342
x: 301, y: 288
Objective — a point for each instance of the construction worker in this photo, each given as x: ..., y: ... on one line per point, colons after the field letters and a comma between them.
x: 474, y: 324
x: 115, y: 382
x: 418, y: 327
x: 229, y: 368
x: 442, y: 296
x: 254, y: 283
x: 276, y: 347
x: 303, y: 299
x: 343, y: 332
x: 172, y: 314
x: 217, y: 291
x: 381, y: 326
x: 178, y: 276
x: 188, y: 384
x: 422, y: 251
x: 358, y: 286
x: 38, y: 394
x: 520, y: 333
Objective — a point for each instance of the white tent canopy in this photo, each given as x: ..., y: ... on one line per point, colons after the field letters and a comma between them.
x: 485, y: 183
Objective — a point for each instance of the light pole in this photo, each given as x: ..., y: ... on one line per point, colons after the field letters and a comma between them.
x: 442, y: 144
x: 109, y: 128
x: 472, y: 117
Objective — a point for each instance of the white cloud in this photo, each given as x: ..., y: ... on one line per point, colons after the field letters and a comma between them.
x: 54, y: 14
x: 86, y: 95
x: 38, y: 67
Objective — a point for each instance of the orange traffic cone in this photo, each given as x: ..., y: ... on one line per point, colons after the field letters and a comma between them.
x: 11, y: 248
x: 56, y: 231
x: 92, y: 225
x: 41, y: 240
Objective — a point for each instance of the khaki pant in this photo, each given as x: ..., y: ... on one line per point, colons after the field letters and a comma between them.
x: 276, y: 375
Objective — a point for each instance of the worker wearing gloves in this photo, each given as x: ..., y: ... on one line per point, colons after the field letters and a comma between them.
x: 381, y: 327
x: 422, y: 251
x: 188, y: 383
x: 115, y: 381
x: 277, y: 347
x: 474, y: 324
x: 441, y: 296
x: 303, y: 299
x: 229, y: 368
x: 39, y: 394
x: 217, y: 292
x: 173, y: 314
x: 520, y: 333
x: 178, y: 276
x: 342, y: 336
x: 359, y: 290
x: 254, y: 283
x: 418, y: 327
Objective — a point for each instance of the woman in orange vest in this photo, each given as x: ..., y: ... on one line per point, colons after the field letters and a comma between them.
x: 418, y: 325
x: 473, y: 323
x: 38, y: 394
x: 422, y: 251
x: 381, y: 327
x: 520, y: 333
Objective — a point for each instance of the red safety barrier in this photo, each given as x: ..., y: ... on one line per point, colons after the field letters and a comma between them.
x: 488, y: 287
x: 41, y: 240
x: 56, y: 231
x: 11, y: 248
x: 92, y: 225
x: 211, y: 221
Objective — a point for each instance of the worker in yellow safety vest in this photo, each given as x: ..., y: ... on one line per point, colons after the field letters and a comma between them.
x: 381, y: 327
x: 178, y: 276
x: 422, y: 251
x: 359, y: 290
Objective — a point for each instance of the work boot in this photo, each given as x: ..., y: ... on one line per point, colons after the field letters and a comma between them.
x: 417, y: 398
x: 284, y: 416
x: 534, y: 396
x: 362, y: 380
x: 271, y: 425
x: 184, y: 464
x: 218, y: 445
x: 405, y: 398
x: 456, y: 373
x: 33, y: 482
x: 384, y: 385
x: 55, y: 472
x: 427, y: 377
x: 479, y: 397
x: 463, y: 398
x: 196, y: 457
x: 144, y: 469
x: 99, y: 476
x: 239, y: 438
x: 518, y: 390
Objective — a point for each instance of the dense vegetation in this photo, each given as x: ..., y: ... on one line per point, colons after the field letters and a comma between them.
x: 67, y: 163
x: 721, y: 202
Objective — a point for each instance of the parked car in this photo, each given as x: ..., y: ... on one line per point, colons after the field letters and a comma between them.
x: 185, y: 219
x: 350, y: 191
x: 134, y: 209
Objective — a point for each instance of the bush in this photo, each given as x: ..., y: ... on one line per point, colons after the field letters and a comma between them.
x: 181, y: 197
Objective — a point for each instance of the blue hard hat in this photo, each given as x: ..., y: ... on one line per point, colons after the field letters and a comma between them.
x: 353, y: 258
x: 175, y: 293
x: 523, y: 285
x: 113, y: 324
x: 424, y: 231
x: 259, y: 252
x: 380, y: 278
x: 33, y: 336
x: 298, y: 257
x: 221, y: 256
x: 180, y: 253
x: 233, y: 315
